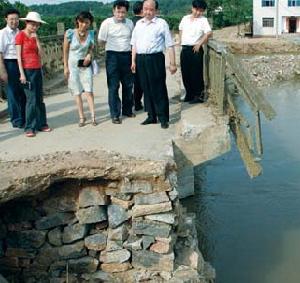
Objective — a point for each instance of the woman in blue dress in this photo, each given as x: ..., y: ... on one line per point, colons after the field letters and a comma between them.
x: 78, y: 52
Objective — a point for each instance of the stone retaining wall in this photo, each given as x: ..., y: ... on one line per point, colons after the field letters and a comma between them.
x: 104, y: 230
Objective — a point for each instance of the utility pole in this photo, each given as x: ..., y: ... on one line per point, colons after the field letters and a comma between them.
x: 277, y: 18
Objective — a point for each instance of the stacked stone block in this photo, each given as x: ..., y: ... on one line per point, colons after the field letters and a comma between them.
x: 92, y: 230
x: 104, y: 230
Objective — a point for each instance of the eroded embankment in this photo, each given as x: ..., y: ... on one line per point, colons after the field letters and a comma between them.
x: 92, y: 216
x: 31, y: 169
x: 268, y: 60
x: 33, y: 175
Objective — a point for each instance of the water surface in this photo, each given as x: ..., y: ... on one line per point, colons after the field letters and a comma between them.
x: 250, y: 229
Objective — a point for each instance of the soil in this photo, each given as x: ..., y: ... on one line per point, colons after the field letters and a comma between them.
x: 240, y: 44
x: 268, y: 60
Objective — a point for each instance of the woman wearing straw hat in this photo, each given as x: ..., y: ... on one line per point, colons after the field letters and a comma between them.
x: 29, y: 60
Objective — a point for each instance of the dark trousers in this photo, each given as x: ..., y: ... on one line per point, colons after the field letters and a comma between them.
x: 15, y: 94
x: 137, y: 91
x: 118, y: 69
x: 192, y: 72
x: 35, y: 106
x: 151, y: 70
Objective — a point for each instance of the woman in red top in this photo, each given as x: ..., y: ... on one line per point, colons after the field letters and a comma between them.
x: 29, y: 61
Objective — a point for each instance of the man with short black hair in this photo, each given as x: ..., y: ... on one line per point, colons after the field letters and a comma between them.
x: 137, y: 11
x: 150, y: 37
x: 115, y: 33
x: 137, y: 89
x: 9, y: 70
x: 194, y: 31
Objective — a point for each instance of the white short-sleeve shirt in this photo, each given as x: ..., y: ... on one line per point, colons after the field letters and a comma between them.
x: 152, y: 36
x: 193, y: 29
x: 117, y: 35
x: 7, y: 43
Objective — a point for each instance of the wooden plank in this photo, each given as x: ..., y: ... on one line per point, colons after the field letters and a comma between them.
x: 250, y: 138
x: 206, y: 67
x: 221, y: 85
x: 241, y: 91
x: 254, y: 94
x: 210, y: 75
x: 253, y: 168
x: 60, y: 26
x: 217, y: 46
x: 224, y: 85
x: 259, y: 145
x: 257, y: 127
x: 215, y: 78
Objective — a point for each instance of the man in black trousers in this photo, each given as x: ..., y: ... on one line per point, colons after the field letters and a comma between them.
x: 194, y: 31
x: 9, y: 70
x: 150, y: 37
x: 137, y: 89
x: 115, y: 33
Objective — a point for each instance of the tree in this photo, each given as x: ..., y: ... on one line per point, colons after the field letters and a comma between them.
x: 229, y: 12
x: 3, y: 6
x: 23, y: 9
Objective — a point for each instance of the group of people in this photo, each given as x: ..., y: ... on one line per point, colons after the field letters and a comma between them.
x: 134, y: 58
x: 21, y: 70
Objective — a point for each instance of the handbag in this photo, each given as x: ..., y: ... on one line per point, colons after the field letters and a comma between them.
x: 95, y: 67
x: 80, y: 64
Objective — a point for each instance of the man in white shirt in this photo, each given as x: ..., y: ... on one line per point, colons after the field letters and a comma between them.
x: 9, y: 71
x: 150, y: 37
x: 115, y: 32
x: 194, y: 32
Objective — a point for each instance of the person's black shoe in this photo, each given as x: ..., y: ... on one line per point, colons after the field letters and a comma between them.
x: 19, y: 126
x: 138, y: 107
x: 164, y: 125
x: 196, y: 100
x: 116, y: 120
x: 187, y: 99
x: 149, y: 121
x: 131, y: 115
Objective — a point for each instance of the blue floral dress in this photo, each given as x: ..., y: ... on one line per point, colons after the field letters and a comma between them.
x: 81, y: 78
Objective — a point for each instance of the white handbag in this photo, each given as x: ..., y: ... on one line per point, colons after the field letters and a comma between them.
x: 95, y: 67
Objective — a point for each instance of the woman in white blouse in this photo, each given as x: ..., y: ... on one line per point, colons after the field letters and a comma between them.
x: 194, y: 31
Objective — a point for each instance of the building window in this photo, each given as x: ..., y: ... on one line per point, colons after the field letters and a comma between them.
x: 293, y: 3
x: 268, y: 22
x: 268, y: 3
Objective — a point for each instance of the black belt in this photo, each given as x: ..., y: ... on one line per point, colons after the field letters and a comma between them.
x: 11, y: 60
x: 150, y: 54
x: 118, y: 52
x: 187, y: 46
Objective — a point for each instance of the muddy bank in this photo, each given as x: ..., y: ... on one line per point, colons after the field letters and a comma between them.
x: 267, y: 60
x: 265, y: 70
x: 258, y: 45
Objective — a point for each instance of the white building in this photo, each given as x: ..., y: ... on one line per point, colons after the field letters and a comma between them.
x: 275, y: 17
